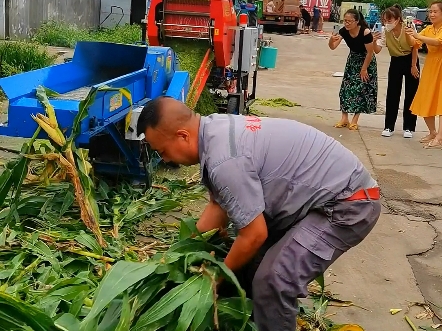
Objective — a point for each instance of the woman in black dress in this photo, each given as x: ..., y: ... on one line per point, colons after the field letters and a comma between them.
x: 359, y: 88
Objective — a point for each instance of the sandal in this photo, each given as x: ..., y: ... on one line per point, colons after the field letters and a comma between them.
x: 353, y: 127
x: 341, y: 125
x: 434, y: 144
x: 427, y: 139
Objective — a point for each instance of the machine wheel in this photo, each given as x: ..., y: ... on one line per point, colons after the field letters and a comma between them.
x: 232, y: 106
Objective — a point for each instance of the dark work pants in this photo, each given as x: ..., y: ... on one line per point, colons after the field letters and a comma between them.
x: 400, y: 67
x: 283, y: 268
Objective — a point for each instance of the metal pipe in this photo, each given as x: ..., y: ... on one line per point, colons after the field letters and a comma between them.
x: 144, y: 31
x: 240, y: 53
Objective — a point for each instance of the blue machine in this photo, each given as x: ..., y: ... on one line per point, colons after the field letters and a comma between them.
x: 147, y: 72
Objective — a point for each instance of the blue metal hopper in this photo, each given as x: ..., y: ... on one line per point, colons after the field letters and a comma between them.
x: 147, y: 72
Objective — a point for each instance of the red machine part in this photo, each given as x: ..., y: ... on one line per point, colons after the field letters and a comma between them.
x: 210, y: 20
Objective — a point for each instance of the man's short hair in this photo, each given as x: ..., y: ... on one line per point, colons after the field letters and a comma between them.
x: 150, y: 115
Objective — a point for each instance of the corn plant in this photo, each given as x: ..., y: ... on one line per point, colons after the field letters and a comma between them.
x: 174, y: 290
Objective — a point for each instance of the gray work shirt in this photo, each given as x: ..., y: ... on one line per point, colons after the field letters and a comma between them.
x: 279, y: 167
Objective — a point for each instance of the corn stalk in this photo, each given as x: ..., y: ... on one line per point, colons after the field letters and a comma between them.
x: 72, y: 159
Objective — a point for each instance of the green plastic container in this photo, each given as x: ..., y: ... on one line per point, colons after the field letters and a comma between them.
x: 267, y: 57
x: 259, y: 5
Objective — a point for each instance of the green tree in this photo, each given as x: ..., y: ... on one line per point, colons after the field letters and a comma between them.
x: 382, y: 4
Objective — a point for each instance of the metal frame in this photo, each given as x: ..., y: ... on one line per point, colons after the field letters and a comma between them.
x: 244, y: 100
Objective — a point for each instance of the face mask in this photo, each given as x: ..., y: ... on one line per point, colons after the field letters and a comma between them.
x: 390, y: 26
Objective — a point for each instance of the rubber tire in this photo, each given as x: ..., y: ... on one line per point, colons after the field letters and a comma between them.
x: 232, y: 106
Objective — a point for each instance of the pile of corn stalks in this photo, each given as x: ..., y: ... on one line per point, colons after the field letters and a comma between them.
x: 55, y: 275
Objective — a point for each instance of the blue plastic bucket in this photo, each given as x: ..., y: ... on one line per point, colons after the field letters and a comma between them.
x: 267, y: 58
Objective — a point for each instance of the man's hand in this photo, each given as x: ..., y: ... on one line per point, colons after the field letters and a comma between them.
x: 213, y: 217
x: 247, y: 243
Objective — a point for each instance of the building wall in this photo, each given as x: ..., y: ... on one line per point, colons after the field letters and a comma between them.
x: 2, y: 19
x: 26, y: 16
x: 114, y: 13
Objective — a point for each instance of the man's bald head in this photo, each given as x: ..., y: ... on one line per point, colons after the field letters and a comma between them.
x: 164, y: 113
x: 170, y: 128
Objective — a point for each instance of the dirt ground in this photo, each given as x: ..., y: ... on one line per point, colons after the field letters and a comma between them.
x: 400, y: 262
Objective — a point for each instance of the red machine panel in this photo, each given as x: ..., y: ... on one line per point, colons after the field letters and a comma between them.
x: 223, y: 13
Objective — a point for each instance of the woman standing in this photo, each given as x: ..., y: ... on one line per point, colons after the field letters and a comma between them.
x: 359, y: 88
x: 428, y: 100
x: 404, y: 62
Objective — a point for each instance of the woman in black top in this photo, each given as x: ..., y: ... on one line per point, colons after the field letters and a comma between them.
x: 359, y: 88
x: 306, y: 17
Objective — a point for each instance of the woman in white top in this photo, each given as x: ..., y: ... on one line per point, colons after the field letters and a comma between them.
x: 404, y: 63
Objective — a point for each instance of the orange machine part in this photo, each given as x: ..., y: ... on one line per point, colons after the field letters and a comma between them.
x: 191, y: 19
x: 223, y: 13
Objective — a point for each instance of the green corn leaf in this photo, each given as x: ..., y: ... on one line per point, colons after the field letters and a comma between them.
x: 188, y: 228
x: 16, y: 263
x: 251, y: 326
x: 118, y: 279
x: 110, y: 319
x: 206, y: 302
x: 67, y: 322
x: 90, y: 242
x: 208, y: 322
x: 192, y: 245
x: 170, y: 301
x: 145, y: 293
x: 3, y: 236
x: 125, y: 316
x: 90, y: 325
x: 82, y: 114
x: 227, y: 274
x: 16, y: 314
x: 176, y: 275
x: 42, y: 250
x: 77, y: 303
x: 174, y: 322
x: 6, y: 181
x: 234, y: 307
x: 161, y: 323
x: 48, y: 92
x: 140, y: 208
x: 190, y: 307
x: 68, y: 200
x: 321, y: 281
x: 67, y: 293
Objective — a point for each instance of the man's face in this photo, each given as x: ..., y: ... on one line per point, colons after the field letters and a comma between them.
x: 173, y: 147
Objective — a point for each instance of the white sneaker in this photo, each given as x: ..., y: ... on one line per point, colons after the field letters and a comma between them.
x: 408, y: 134
x: 387, y: 133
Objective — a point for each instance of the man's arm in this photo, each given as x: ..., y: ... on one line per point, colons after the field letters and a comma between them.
x: 240, y: 195
x: 247, y: 243
x: 213, y: 217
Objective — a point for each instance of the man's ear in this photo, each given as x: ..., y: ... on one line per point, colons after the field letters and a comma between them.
x: 183, y: 134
